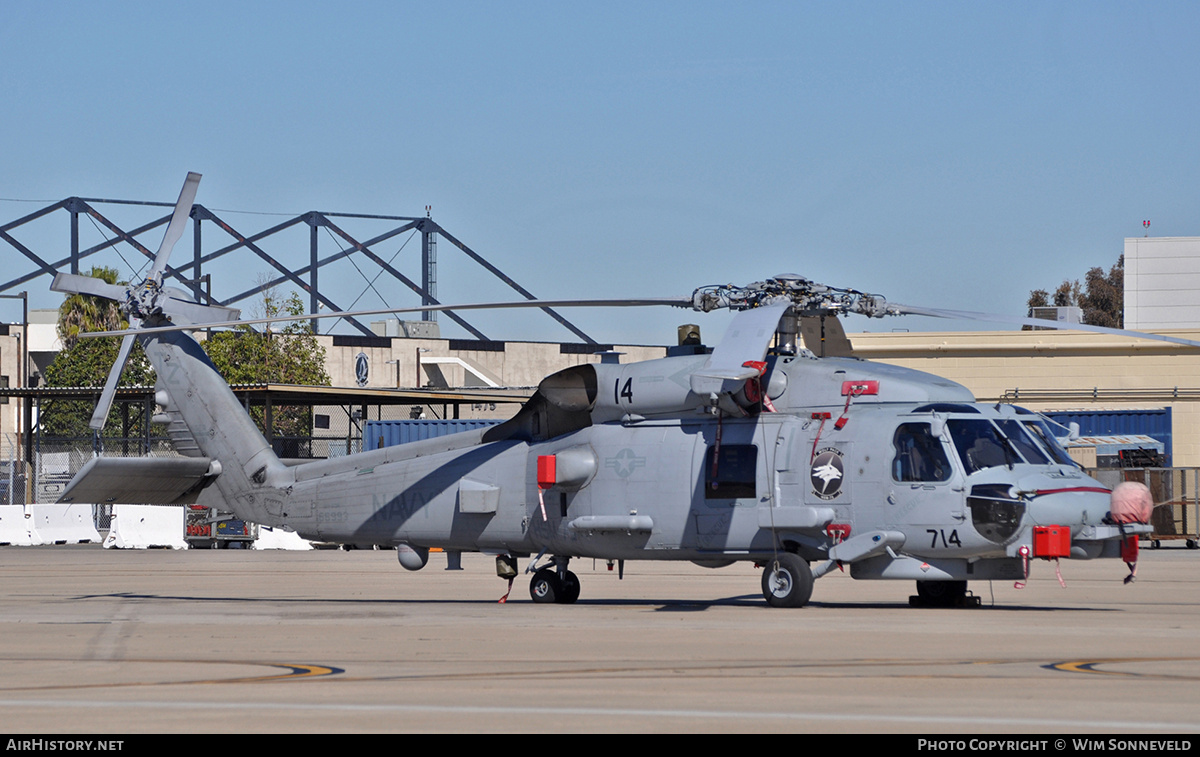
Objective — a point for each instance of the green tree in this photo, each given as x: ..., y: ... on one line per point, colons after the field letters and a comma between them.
x: 289, y: 354
x: 87, y: 362
x: 1101, y: 297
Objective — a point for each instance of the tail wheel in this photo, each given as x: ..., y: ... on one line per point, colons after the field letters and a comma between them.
x: 787, y: 581
x: 546, y: 588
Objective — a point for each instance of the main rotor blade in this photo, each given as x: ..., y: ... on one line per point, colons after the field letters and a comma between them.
x: 100, y: 415
x: 183, y: 208
x: 971, y: 315
x: 682, y: 302
x: 73, y: 283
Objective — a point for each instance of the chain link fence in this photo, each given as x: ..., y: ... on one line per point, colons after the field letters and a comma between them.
x: 1176, y: 495
x: 14, y: 472
x: 337, y: 430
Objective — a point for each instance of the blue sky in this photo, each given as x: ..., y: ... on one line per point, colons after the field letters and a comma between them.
x: 951, y: 155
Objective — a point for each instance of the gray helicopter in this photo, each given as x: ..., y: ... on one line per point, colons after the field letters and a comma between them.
x: 800, y: 460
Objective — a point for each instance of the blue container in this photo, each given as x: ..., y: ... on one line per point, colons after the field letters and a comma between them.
x: 1154, y: 423
x: 390, y: 433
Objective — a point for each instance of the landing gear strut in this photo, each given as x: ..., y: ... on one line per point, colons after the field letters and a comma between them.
x: 554, y: 584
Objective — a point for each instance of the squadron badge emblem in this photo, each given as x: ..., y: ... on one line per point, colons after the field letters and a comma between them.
x: 826, y: 474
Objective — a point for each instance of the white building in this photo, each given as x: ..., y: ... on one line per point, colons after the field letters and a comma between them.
x: 1162, y: 283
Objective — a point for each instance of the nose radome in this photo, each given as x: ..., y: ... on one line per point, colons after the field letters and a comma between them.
x: 1072, y: 506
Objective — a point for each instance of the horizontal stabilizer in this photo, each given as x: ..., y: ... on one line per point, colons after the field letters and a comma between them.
x: 139, y: 481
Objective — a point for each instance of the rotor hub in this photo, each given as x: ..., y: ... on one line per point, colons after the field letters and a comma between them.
x: 142, y: 301
x: 807, y: 297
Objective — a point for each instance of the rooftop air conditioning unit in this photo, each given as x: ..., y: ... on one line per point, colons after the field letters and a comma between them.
x: 1059, y: 314
x: 406, y: 329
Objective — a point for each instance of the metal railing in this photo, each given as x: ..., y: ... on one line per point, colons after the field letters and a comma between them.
x: 1176, y: 495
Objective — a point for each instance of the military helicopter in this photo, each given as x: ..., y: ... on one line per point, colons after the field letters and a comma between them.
x: 800, y: 460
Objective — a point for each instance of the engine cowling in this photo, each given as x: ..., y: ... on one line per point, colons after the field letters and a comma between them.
x: 611, y: 392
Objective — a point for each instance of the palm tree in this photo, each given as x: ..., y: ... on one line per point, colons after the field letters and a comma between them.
x: 86, y: 362
x: 81, y: 313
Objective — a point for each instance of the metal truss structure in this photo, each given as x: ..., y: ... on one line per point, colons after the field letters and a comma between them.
x: 306, y: 278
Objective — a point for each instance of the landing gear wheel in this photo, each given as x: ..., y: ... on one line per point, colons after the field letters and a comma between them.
x: 941, y: 593
x: 787, y: 581
x: 545, y: 586
x: 569, y: 589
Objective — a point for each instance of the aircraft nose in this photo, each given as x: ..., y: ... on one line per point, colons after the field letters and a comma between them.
x: 1070, y: 506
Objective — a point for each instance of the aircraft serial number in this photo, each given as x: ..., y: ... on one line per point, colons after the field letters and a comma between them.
x: 619, y: 391
x: 947, y: 541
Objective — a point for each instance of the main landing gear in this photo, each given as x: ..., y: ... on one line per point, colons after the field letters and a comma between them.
x: 554, y: 584
x: 787, y: 581
x: 943, y: 594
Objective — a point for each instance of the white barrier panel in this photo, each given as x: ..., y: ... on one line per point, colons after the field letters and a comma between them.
x: 144, y: 526
x: 16, y: 525
x: 64, y: 524
x: 31, y: 525
x: 277, y: 538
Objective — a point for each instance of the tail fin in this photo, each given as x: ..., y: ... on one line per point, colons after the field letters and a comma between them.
x: 207, y: 420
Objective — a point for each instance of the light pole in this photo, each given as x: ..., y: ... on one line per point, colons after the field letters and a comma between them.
x: 23, y: 371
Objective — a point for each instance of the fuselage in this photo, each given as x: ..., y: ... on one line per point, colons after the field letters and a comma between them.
x: 900, y: 452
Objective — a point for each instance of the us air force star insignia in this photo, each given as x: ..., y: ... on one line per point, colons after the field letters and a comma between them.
x: 625, y: 462
x: 826, y: 474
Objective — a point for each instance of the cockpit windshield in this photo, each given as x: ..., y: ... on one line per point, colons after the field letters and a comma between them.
x: 1040, y: 430
x: 1026, y: 446
x: 980, y: 444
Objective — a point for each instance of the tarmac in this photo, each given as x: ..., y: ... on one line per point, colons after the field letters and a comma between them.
x: 161, y: 641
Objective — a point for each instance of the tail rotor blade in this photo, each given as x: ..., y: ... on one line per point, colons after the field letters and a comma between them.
x: 73, y: 283
x: 183, y: 208
x: 100, y: 415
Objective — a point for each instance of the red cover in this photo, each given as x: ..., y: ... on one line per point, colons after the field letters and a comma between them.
x: 1051, y: 541
x: 1131, y: 503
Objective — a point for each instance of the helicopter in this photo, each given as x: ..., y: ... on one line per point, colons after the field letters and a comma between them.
x: 776, y: 447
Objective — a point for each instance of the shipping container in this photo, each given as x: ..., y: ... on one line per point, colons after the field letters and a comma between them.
x: 390, y: 433
x: 1153, y: 422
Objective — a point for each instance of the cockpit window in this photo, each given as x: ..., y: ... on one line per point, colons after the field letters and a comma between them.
x: 1016, y: 434
x: 919, y: 455
x: 1041, y: 431
x: 980, y: 445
